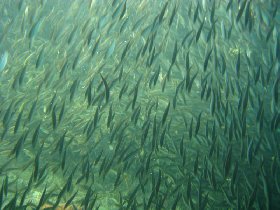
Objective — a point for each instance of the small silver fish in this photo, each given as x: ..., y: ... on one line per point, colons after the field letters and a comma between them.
x: 3, y: 60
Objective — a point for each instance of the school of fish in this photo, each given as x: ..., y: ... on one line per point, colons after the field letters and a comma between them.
x: 140, y: 104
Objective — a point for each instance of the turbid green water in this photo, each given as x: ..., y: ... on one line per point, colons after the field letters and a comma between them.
x: 139, y: 104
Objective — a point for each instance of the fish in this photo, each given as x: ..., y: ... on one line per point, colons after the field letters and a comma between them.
x: 161, y: 15
x: 42, y: 199
x: 123, y: 10
x: 70, y: 200
x: 195, y: 166
x: 3, y: 60
x: 34, y: 31
x: 19, y: 145
x: 107, y: 91
x: 227, y: 161
x: 247, y: 12
x: 276, y: 90
x: 174, y: 11
x: 250, y: 151
x: 111, y: 49
x: 73, y: 89
x: 127, y: 47
x: 147, y: 105
x: 237, y: 66
x: 199, y: 30
x: 196, y: 13
x: 111, y: 116
x: 206, y: 60
x: 18, y: 121
x: 76, y: 60
x: 164, y: 116
x: 95, y: 47
x: 175, y: 51
x: 72, y: 35
x: 36, y: 167
x: 40, y: 58
x: 241, y: 9
x: 54, y: 118
x: 1, y: 196
x: 252, y: 196
x: 197, y: 124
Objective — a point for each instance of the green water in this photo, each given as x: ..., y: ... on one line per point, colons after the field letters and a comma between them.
x: 139, y: 104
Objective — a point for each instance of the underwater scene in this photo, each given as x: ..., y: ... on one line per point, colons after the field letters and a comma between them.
x: 140, y: 104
